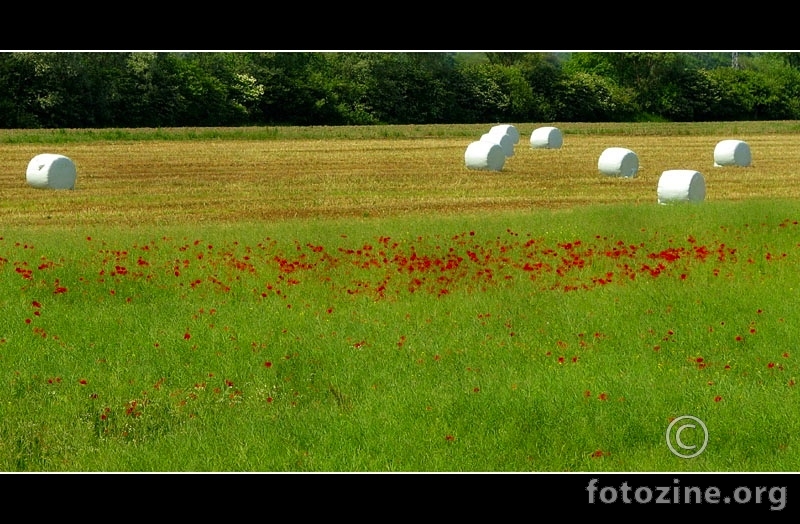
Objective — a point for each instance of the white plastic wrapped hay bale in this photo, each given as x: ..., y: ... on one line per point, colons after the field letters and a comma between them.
x: 732, y: 153
x: 618, y: 161
x: 504, y: 140
x: 681, y: 185
x: 506, y: 129
x: 546, y: 138
x: 485, y: 155
x: 51, y: 171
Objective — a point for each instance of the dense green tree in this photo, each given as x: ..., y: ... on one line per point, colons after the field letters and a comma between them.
x: 713, y: 60
x: 207, y: 99
x: 71, y: 89
x: 597, y: 64
x: 505, y: 58
x: 348, y: 86
x: 738, y: 92
x: 148, y: 90
x: 544, y: 74
x: 409, y: 88
x: 294, y: 89
x: 227, y: 75
x: 684, y: 96
x: 480, y: 94
x: 145, y: 89
x: 774, y: 86
x: 17, y: 97
x: 589, y: 97
x: 792, y: 59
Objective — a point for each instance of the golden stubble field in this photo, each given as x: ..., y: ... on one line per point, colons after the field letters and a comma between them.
x: 151, y: 182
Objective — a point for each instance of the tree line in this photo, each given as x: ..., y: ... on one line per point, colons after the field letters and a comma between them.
x: 182, y: 89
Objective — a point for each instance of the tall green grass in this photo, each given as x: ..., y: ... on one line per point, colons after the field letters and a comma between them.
x: 272, y: 347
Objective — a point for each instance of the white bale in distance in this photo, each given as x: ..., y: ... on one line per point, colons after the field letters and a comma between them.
x: 506, y: 129
x: 505, y: 141
x: 51, y: 171
x: 618, y: 161
x: 732, y: 153
x: 546, y: 138
x: 485, y: 155
x: 681, y: 185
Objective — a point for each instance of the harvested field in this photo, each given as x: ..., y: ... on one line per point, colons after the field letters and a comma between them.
x: 152, y: 182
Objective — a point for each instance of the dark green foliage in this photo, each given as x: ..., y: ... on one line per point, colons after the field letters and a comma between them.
x: 589, y: 97
x: 54, y: 90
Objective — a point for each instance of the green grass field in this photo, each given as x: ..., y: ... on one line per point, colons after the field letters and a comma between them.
x: 493, y: 337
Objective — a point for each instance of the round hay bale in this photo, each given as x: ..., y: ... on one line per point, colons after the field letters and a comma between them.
x: 618, y: 161
x: 50, y: 171
x: 505, y: 141
x: 732, y: 153
x: 546, y: 138
x: 506, y: 129
x: 485, y: 155
x: 681, y: 185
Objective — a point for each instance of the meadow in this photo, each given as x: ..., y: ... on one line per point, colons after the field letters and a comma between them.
x: 356, y: 299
